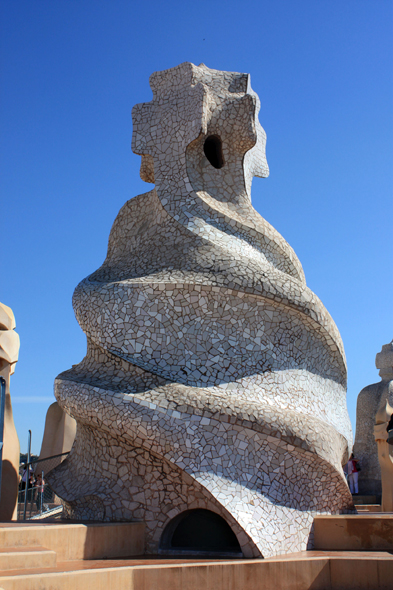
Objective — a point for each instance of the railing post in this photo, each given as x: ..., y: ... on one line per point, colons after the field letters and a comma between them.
x: 2, y: 409
x: 42, y: 487
x: 27, y: 474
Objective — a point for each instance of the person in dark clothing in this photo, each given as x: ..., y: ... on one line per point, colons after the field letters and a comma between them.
x: 353, y: 474
x: 40, y: 488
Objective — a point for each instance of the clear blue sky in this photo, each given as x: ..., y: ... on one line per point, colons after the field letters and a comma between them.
x: 71, y: 71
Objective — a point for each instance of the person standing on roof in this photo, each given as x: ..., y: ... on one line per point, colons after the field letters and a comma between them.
x: 353, y: 474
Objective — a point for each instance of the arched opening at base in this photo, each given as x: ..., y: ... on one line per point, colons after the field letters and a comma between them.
x: 199, y: 531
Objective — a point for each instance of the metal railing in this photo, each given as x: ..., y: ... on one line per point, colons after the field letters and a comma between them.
x: 36, y: 498
x: 40, y: 499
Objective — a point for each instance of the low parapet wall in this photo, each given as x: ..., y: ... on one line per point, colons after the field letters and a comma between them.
x: 78, y: 541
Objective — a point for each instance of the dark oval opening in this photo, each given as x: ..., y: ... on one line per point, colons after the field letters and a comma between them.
x: 200, y: 531
x: 213, y: 151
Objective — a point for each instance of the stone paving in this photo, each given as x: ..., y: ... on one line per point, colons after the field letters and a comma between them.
x: 213, y: 377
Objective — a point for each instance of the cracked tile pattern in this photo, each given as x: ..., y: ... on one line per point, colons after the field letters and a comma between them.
x: 213, y: 376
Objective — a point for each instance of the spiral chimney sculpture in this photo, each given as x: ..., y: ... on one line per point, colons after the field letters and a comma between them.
x: 214, y: 378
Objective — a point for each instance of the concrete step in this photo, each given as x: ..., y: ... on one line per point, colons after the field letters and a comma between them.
x: 316, y: 570
x: 87, y: 540
x: 359, y: 499
x: 368, y: 507
x: 26, y: 558
x: 354, y: 532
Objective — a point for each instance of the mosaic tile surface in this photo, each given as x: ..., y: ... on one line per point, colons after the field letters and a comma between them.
x: 213, y: 376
